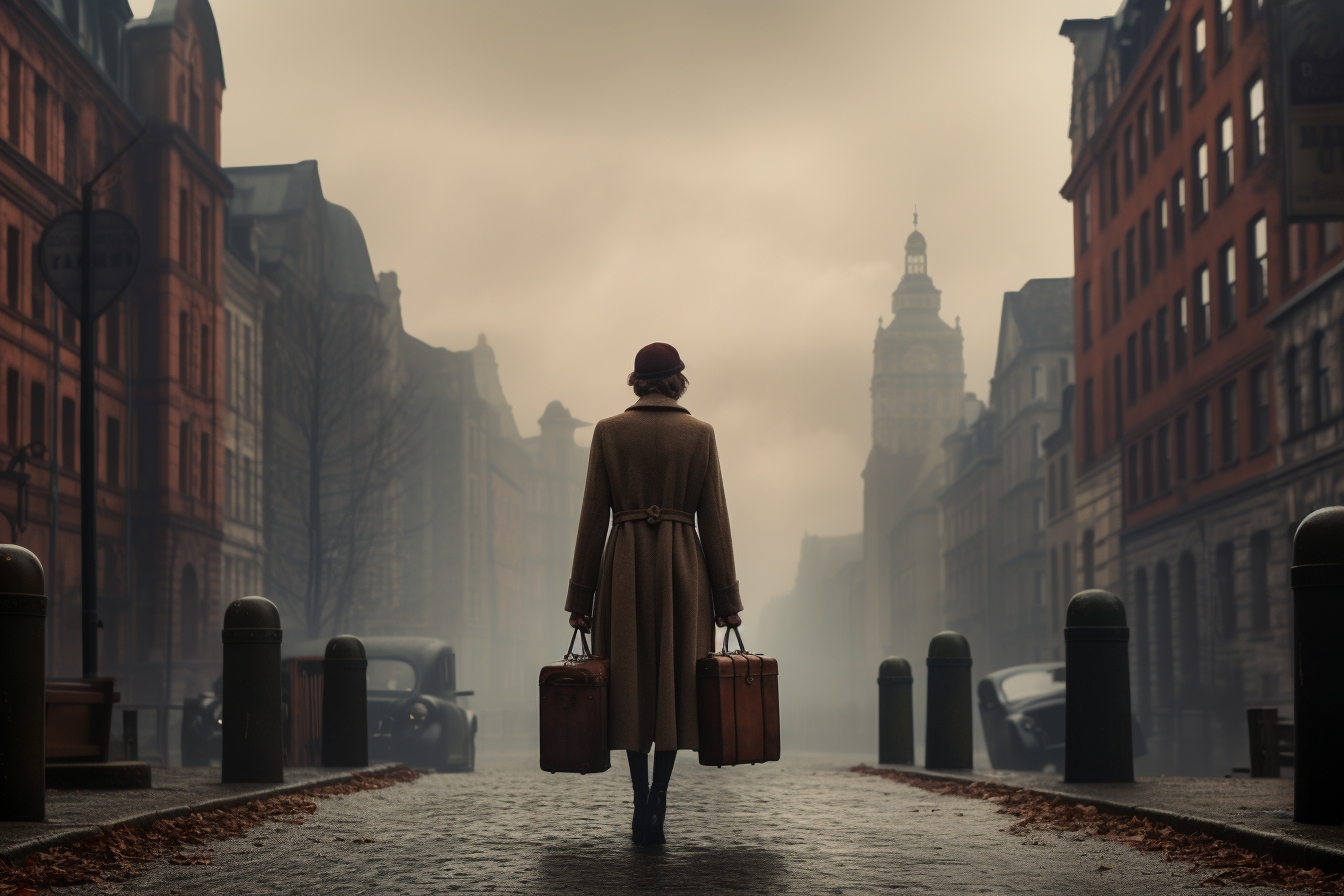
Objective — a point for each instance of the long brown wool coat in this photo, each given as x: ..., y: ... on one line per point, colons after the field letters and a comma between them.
x: 657, y: 588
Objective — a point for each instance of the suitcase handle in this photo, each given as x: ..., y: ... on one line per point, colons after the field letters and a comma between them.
x: 583, y: 640
x: 732, y: 629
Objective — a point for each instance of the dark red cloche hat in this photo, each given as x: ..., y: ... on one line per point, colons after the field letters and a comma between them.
x: 657, y: 360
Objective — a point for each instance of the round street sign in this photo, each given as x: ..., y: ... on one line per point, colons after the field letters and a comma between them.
x: 116, y: 255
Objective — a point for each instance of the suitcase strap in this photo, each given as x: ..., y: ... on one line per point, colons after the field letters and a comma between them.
x: 741, y: 648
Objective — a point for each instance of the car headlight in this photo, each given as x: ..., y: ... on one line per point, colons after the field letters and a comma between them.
x: 219, y: 713
x: 418, y: 715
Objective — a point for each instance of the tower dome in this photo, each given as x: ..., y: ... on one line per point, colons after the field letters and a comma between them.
x: 916, y: 289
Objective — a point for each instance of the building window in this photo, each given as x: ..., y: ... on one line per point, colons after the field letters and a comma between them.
x: 183, y: 230
x: 1226, y: 154
x: 12, y: 408
x: 41, y: 109
x: 1294, y: 392
x: 230, y: 485
x: 1089, y: 429
x: 112, y: 331
x: 1146, y: 357
x: 1224, y: 28
x: 1199, y: 40
x: 15, y: 99
x: 1145, y: 248
x: 1118, y: 398
x: 1178, y: 202
x: 1087, y: 315
x: 1160, y: 237
x: 1259, y: 408
x: 1089, y: 552
x: 1085, y: 219
x: 1203, y: 437
x: 1297, y: 252
x: 1146, y: 467
x: 1129, y: 160
x: 1037, y: 383
x: 1159, y: 113
x: 1180, y: 313
x: 1175, y: 78
x: 1052, y: 489
x: 1203, y: 309
x: 1115, y: 284
x: 1330, y: 238
x: 1260, y: 581
x: 68, y: 434
x: 1115, y: 186
x: 207, y: 362
x: 1037, y: 441
x: 1320, y: 377
x: 1163, y: 345
x: 205, y: 244
x: 1224, y: 575
x: 1231, y: 434
x: 113, y: 452
x: 1257, y: 234
x: 1132, y: 359
x: 206, y: 469
x: 13, y: 271
x: 1064, y: 481
x: 184, y: 458
x: 1200, y: 164
x: 37, y: 414
x: 1038, y: 515
x: 1227, y: 294
x: 1143, y: 140
x: 184, y: 348
x: 1163, y: 459
x: 69, y: 325
x: 38, y: 293
x: 1129, y: 266
x: 1133, y: 475
x: 1255, y: 123
x: 70, y: 147
x: 1182, y: 449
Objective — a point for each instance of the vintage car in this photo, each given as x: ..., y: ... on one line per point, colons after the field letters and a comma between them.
x: 1022, y: 713
x: 414, y: 715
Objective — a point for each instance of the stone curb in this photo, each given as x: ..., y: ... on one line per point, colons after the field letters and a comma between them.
x: 1287, y: 850
x: 13, y: 853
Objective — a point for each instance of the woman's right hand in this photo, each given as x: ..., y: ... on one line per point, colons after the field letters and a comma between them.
x: 581, y: 622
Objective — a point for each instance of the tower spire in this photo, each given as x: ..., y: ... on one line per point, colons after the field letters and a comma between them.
x: 916, y: 217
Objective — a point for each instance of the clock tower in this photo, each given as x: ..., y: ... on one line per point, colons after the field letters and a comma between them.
x: 919, y: 383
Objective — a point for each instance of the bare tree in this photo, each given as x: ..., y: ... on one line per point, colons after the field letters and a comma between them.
x: 343, y: 433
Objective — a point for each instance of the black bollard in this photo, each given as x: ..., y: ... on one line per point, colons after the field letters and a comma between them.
x: 345, y: 703
x: 253, y: 729
x: 23, y: 701
x: 895, y: 713
x: 1318, y: 700
x: 1098, y: 736
x: 947, y: 732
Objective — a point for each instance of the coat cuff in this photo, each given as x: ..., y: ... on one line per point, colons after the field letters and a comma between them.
x: 579, y: 599
x: 727, y: 601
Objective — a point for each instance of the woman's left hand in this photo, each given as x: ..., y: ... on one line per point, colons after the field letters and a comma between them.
x: 732, y: 620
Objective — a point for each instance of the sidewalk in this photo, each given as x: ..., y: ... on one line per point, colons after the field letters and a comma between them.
x: 75, y: 814
x: 1256, y: 813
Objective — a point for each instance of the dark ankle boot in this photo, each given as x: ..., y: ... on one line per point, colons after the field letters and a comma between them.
x: 638, y: 821
x: 654, y: 811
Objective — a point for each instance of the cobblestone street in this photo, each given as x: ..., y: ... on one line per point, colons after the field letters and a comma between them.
x: 802, y: 826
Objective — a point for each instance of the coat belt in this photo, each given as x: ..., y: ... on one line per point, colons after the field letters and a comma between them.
x: 653, y: 516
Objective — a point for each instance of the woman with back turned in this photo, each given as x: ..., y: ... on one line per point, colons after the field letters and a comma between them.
x: 652, y: 590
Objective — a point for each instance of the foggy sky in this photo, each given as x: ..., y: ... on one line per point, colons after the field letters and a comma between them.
x: 576, y: 179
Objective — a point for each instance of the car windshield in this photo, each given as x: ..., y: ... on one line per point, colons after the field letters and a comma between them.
x: 1034, y: 683
x: 391, y: 675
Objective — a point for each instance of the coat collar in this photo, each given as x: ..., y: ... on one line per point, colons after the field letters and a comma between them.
x: 657, y: 400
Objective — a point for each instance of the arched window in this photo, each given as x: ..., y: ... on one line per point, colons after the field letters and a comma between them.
x: 1140, y: 624
x: 1320, y: 377
x: 191, y: 613
x: 1164, y: 653
x: 1187, y: 599
x: 1225, y: 578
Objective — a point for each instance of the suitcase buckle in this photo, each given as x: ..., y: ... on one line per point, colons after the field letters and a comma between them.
x: 653, y: 515
x: 750, y: 678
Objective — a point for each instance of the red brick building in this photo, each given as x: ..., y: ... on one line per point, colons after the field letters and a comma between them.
x: 1181, y: 256
x: 78, y: 81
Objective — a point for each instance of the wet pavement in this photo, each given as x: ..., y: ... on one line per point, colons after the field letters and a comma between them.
x: 802, y: 826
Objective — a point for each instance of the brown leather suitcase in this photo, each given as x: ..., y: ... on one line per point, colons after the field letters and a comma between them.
x: 738, y: 695
x: 574, y: 712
